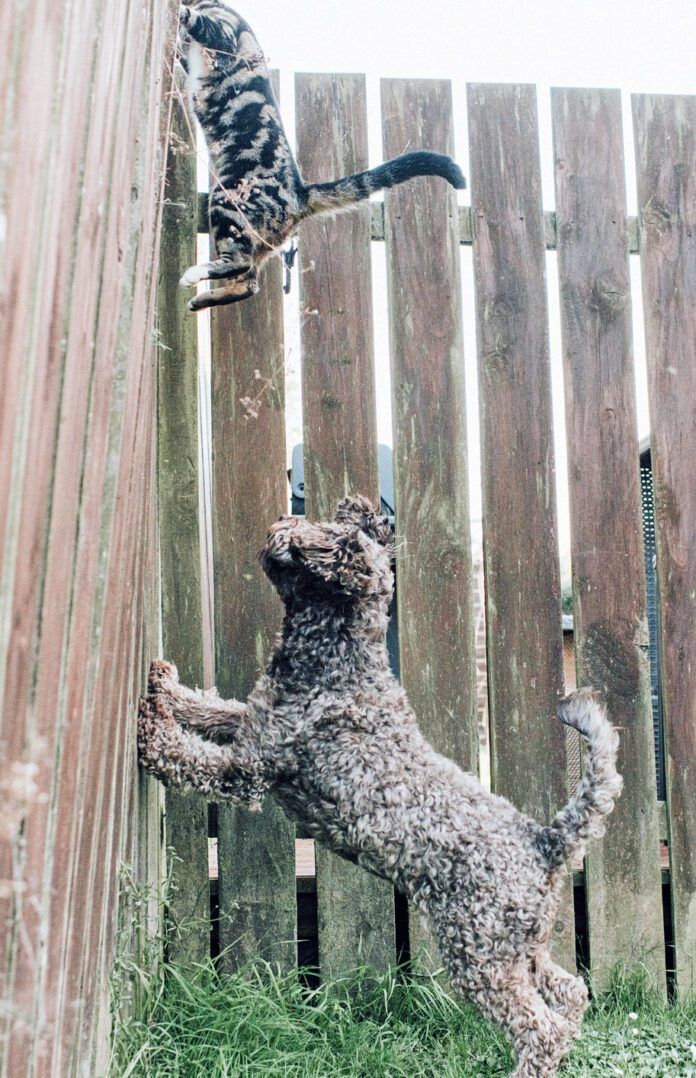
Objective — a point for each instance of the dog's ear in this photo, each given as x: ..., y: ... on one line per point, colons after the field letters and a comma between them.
x: 338, y: 558
x: 360, y: 512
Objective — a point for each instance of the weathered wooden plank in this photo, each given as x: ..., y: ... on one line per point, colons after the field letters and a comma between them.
x: 127, y: 509
x: 340, y: 439
x: 123, y: 321
x: 665, y: 139
x: 51, y: 415
x: 436, y: 625
x: 355, y: 912
x: 128, y: 553
x: 623, y: 884
x: 256, y: 855
x: 525, y: 668
x: 180, y: 540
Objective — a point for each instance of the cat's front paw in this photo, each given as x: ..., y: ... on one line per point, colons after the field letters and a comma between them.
x: 193, y: 275
x: 184, y: 15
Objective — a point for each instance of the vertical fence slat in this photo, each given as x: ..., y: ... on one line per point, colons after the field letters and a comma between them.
x: 180, y: 540
x: 355, y: 911
x: 256, y: 856
x: 126, y: 326
x: 523, y: 604
x: 624, y: 899
x: 436, y: 636
x: 665, y: 137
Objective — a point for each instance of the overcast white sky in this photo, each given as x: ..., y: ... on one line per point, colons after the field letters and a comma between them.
x: 636, y: 46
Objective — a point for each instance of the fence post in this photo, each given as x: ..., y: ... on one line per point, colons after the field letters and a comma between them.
x: 256, y: 853
x: 665, y: 130
x: 523, y: 600
x: 355, y: 910
x: 180, y: 548
x: 434, y: 572
x: 624, y: 901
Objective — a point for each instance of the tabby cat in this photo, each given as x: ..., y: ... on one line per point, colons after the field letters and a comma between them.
x: 258, y: 197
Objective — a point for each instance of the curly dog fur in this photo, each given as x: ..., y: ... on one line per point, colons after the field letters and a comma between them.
x: 330, y: 733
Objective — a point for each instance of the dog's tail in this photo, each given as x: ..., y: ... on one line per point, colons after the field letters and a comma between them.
x: 583, y: 816
x: 342, y: 194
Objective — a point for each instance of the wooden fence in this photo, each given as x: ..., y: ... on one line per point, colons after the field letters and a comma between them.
x: 84, y: 95
x: 93, y: 455
x: 619, y: 892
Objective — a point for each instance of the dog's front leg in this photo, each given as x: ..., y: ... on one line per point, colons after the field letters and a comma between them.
x: 179, y: 757
x: 205, y: 712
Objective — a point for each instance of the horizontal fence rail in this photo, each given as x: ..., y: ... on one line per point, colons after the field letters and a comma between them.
x: 630, y: 878
x: 465, y: 230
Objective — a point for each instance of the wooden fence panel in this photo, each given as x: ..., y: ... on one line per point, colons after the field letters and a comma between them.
x: 623, y: 883
x: 180, y: 538
x: 665, y: 137
x: 523, y: 603
x: 80, y: 334
x: 434, y: 570
x: 355, y: 910
x: 258, y: 900
x: 126, y: 619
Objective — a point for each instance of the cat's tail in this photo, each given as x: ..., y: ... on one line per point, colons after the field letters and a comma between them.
x: 342, y: 194
x: 583, y: 817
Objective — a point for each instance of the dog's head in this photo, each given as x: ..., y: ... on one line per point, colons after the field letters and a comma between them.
x: 347, y: 559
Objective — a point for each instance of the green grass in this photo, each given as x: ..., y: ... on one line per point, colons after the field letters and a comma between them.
x: 261, y: 1024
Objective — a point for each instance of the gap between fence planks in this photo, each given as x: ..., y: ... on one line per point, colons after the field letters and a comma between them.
x: 523, y: 602
x: 665, y: 140
x: 188, y: 904
x: 434, y: 570
x: 355, y: 910
x: 623, y: 884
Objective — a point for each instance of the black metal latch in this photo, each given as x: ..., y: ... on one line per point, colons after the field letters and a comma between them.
x: 288, y: 254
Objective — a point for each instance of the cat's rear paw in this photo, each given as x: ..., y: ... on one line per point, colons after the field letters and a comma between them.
x: 193, y: 275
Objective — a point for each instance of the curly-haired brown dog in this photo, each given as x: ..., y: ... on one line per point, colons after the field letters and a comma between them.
x: 329, y: 731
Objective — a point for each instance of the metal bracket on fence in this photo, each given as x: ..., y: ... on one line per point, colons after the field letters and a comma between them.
x: 288, y: 255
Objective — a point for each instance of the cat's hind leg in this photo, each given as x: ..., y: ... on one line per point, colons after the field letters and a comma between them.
x: 228, y: 265
x: 237, y: 289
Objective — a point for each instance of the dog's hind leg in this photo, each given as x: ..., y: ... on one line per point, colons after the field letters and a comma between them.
x: 540, y: 1036
x: 562, y: 991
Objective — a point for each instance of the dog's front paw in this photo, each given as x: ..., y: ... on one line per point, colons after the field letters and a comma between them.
x: 147, y: 729
x: 161, y: 676
x: 153, y: 721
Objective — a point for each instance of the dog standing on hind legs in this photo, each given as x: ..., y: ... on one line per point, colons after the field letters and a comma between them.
x: 329, y: 731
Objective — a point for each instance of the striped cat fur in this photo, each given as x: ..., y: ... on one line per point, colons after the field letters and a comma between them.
x: 258, y: 197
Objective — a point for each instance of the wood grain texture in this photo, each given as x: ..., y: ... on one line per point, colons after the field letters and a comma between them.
x: 180, y: 539
x: 523, y: 607
x: 340, y: 441
x: 623, y: 884
x: 434, y: 572
x: 81, y: 474
x: 256, y: 854
x: 355, y: 911
x: 665, y: 140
